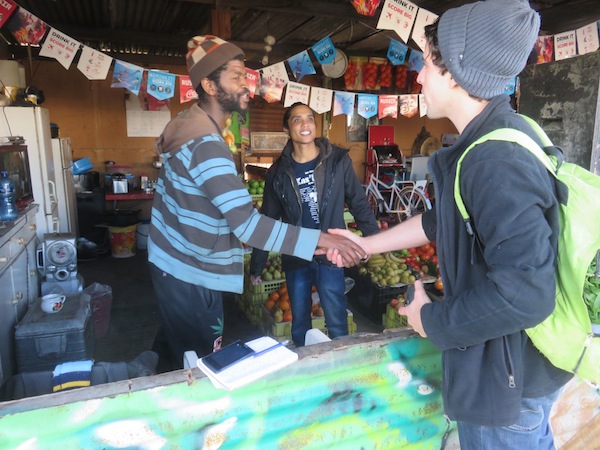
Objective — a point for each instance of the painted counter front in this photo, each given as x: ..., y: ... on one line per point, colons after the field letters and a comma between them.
x: 360, y: 392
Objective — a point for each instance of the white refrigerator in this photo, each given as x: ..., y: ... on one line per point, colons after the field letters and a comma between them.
x: 62, y: 154
x: 33, y: 124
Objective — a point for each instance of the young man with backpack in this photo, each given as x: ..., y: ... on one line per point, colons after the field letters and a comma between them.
x: 499, y: 280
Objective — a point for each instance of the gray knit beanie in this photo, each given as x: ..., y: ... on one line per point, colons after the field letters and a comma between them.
x: 486, y: 44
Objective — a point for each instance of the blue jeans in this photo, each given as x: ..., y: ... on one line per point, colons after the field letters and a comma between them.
x: 531, y: 431
x: 330, y: 286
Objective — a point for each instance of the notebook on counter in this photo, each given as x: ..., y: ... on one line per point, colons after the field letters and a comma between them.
x: 266, y: 356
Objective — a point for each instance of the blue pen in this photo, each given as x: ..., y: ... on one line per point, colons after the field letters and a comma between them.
x: 268, y: 349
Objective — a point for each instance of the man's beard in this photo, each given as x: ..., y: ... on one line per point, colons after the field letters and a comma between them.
x: 230, y: 102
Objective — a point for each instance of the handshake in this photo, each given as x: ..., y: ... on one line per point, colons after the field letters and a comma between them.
x: 340, y: 246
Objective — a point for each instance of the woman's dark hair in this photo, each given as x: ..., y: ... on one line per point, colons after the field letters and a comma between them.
x: 288, y: 113
x: 431, y: 36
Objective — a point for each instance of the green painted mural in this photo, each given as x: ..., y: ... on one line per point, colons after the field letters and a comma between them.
x: 359, y: 392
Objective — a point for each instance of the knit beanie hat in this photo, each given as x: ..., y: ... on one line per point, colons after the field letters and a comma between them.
x: 487, y: 43
x: 206, y: 54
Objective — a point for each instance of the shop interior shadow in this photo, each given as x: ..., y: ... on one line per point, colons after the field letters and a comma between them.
x: 135, y: 317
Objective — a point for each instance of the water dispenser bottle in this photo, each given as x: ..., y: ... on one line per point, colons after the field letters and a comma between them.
x: 8, y: 209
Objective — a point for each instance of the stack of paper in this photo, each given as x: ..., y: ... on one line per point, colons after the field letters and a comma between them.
x: 253, y: 368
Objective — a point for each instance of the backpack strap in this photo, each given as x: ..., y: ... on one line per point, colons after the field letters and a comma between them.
x: 549, y: 148
x: 507, y: 135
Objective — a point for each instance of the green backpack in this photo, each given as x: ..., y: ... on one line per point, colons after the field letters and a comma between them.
x: 566, y: 337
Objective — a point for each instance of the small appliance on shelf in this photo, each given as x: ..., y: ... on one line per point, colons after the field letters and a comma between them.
x: 57, y: 263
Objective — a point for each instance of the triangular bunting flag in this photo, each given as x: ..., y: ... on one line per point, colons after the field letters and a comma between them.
x: 128, y: 76
x: 409, y: 105
x: 94, y: 64
x: 587, y: 38
x: 301, y: 65
x: 388, y: 106
x: 161, y: 85
x: 320, y: 99
x: 367, y: 105
x: 7, y: 7
x: 343, y: 103
x: 564, y: 45
x: 424, y: 18
x: 324, y: 51
x: 252, y: 77
x: 60, y: 47
x: 296, y: 92
x: 187, y: 92
x: 26, y: 27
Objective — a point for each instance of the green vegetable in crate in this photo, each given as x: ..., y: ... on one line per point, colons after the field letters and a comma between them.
x: 389, y: 269
x: 255, y: 187
x: 273, y: 269
x: 591, y: 292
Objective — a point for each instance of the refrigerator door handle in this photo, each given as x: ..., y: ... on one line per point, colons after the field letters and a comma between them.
x: 52, y: 193
x: 55, y: 225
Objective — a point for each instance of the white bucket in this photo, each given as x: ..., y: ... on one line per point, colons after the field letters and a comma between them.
x: 143, y: 229
x: 315, y: 336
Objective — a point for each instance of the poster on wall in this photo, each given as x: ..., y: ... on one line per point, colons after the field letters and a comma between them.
x: 142, y: 122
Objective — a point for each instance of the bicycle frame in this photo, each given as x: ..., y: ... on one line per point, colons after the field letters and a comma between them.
x: 404, y: 199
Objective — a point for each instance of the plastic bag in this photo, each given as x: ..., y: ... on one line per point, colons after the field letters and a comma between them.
x: 101, y: 303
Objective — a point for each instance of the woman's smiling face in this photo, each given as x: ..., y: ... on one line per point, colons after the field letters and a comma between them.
x: 301, y: 125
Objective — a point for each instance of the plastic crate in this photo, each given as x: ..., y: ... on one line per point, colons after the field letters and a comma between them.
x: 391, y: 318
x: 275, y: 329
x: 318, y: 322
x: 348, y: 217
x: 371, y: 299
x: 284, y: 329
x: 262, y: 288
x: 255, y: 299
x: 391, y: 324
x: 252, y: 312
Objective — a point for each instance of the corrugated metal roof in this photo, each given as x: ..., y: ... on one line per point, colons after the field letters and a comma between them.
x: 156, y: 31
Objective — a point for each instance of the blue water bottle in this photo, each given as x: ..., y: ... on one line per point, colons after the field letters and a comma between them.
x: 8, y: 209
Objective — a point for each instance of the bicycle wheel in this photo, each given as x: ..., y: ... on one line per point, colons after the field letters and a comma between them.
x: 408, y: 203
x: 374, y: 203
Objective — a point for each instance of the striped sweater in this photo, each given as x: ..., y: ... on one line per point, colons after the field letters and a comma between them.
x: 202, y: 211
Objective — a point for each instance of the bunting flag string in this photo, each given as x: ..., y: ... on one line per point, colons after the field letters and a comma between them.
x: 405, y: 18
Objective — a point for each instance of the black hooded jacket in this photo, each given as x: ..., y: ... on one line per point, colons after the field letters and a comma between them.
x: 499, y: 282
x: 337, y: 184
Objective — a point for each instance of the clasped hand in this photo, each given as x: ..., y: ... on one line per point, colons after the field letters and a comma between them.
x: 340, y: 250
x: 412, y: 311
